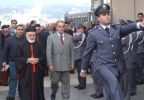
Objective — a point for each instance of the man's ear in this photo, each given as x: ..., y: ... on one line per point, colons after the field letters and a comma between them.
x: 98, y: 18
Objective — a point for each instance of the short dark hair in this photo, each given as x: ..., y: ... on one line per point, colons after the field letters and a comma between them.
x: 31, y: 29
x: 67, y: 22
x: 140, y: 14
x: 20, y: 25
x: 37, y: 25
x: 5, y: 26
x: 32, y: 22
x: 14, y: 20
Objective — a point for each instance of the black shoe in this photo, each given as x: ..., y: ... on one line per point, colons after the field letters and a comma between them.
x: 76, y: 86
x: 140, y: 82
x: 72, y: 72
x: 133, y: 93
x: 81, y: 88
x: 53, y: 97
x: 10, y: 98
x: 95, y: 95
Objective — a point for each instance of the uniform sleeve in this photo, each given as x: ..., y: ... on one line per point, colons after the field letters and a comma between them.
x: 72, y: 52
x: 77, y: 38
x: 90, y: 46
x: 125, y: 30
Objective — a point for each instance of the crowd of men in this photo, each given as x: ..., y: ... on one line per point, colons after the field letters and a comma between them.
x: 113, y: 53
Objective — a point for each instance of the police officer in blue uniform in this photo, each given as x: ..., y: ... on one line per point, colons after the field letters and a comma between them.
x: 98, y: 85
x: 79, y: 41
x: 109, y: 61
x: 129, y: 44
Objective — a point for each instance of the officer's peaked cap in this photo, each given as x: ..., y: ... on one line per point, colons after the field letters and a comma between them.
x: 105, y: 8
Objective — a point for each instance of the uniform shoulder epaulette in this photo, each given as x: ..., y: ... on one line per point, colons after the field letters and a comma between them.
x: 92, y: 29
x: 115, y: 25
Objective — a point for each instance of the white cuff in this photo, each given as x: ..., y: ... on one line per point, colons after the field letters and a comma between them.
x: 4, y: 63
x: 83, y: 70
x: 138, y: 25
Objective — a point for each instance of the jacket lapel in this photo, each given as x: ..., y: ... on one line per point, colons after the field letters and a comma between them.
x: 65, y: 39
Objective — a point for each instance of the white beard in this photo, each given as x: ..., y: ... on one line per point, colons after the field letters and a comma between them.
x: 30, y: 41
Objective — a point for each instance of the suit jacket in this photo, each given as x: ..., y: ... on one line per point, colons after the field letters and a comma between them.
x: 59, y: 55
x: 108, y: 47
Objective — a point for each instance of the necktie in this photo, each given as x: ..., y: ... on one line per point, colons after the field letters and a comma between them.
x: 61, y: 39
x: 107, y: 30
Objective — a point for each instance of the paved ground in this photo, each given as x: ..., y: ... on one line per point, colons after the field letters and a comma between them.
x: 75, y: 94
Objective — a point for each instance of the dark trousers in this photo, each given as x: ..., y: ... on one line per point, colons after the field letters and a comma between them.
x: 98, y: 85
x: 128, y: 79
x: 81, y: 80
x: 111, y: 84
x: 126, y: 84
x: 140, y: 68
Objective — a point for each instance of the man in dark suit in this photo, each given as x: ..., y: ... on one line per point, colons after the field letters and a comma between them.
x: 109, y: 60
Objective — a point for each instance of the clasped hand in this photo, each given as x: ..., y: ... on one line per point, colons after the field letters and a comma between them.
x: 33, y: 60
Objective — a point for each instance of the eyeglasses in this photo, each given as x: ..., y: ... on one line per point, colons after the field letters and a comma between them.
x: 14, y: 23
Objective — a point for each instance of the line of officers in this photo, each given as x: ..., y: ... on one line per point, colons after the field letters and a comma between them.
x: 133, y: 50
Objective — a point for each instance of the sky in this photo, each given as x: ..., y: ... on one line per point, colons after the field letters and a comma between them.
x: 43, y: 11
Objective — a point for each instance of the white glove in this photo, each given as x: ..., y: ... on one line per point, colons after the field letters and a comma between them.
x: 5, y: 68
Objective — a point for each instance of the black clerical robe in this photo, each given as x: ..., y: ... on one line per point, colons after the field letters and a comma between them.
x: 31, y: 86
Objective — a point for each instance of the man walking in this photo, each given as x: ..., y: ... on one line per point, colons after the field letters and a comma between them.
x: 60, y: 60
x: 109, y: 60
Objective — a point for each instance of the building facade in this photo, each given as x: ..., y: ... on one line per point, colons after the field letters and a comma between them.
x: 126, y: 9
x: 122, y: 9
x: 78, y: 17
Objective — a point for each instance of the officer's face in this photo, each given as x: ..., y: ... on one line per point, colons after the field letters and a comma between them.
x: 104, y: 18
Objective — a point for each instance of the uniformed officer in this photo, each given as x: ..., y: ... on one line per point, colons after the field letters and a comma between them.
x: 79, y: 41
x: 98, y: 85
x: 129, y: 44
x: 109, y: 60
